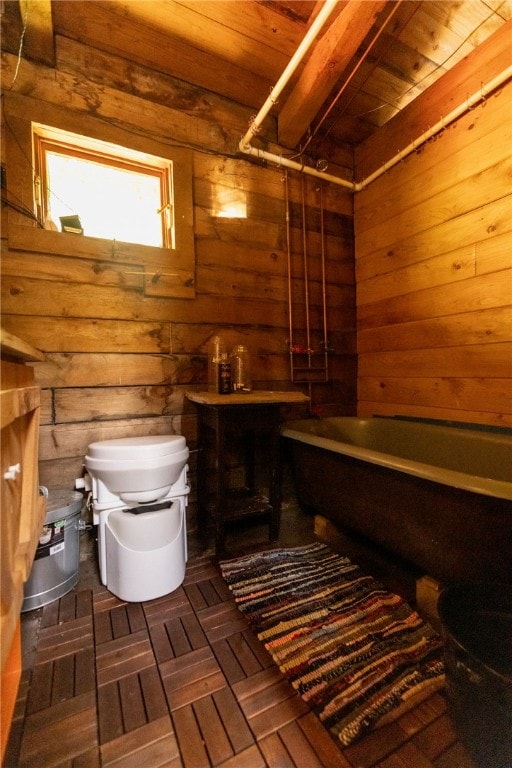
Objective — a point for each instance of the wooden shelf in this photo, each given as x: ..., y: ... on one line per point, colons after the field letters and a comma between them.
x: 243, y: 504
x: 22, y: 508
x: 14, y: 347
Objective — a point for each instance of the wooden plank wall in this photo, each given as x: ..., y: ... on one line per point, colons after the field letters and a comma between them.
x: 118, y: 361
x: 433, y: 271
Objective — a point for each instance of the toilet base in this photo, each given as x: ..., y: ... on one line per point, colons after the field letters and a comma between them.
x: 143, y: 555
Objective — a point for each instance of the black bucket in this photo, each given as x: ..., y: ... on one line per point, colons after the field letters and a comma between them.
x: 477, y: 627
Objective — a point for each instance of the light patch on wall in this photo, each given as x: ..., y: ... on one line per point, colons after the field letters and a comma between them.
x: 229, y: 203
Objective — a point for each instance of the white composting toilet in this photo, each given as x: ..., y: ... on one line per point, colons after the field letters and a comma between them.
x: 140, y: 496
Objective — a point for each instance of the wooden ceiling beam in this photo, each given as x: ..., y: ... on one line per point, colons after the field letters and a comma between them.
x: 325, y: 66
x: 38, y: 40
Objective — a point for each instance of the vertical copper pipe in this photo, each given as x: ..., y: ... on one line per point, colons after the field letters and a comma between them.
x: 324, y: 291
x: 305, y: 262
x: 289, y: 258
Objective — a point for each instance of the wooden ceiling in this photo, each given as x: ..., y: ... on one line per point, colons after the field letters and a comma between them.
x: 369, y: 61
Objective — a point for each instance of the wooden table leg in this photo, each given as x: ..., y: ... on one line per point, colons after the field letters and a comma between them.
x: 220, y: 483
x: 275, y: 478
x: 202, y: 476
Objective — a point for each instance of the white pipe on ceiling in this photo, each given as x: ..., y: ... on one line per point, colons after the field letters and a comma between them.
x: 280, y: 160
x: 294, y: 62
x: 246, y: 147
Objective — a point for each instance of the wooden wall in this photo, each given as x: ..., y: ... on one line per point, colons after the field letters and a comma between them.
x: 119, y: 360
x: 434, y: 258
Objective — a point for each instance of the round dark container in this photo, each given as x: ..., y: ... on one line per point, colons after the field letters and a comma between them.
x: 55, y: 567
x: 477, y: 627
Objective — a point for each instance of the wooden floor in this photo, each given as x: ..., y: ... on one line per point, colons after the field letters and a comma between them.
x: 182, y: 681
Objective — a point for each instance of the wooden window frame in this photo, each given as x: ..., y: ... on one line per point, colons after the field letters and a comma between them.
x: 165, y: 272
x: 47, y: 139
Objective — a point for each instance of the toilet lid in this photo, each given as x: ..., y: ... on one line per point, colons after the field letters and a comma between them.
x: 132, y: 448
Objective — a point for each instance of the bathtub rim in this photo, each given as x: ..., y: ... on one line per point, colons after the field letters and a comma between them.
x: 485, y: 486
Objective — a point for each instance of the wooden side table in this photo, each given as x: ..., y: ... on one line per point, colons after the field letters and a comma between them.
x: 223, y: 420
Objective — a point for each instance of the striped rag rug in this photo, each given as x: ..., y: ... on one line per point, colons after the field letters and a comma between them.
x: 357, y: 653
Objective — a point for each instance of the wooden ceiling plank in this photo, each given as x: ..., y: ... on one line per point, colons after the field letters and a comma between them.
x: 239, y: 33
x: 38, y: 42
x: 464, y: 24
x: 436, y: 41
x: 257, y: 21
x: 328, y: 61
x: 297, y: 10
x: 484, y: 63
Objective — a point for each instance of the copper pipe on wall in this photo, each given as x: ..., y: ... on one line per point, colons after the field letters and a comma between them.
x: 305, y: 264
x: 289, y: 258
x: 324, y: 284
x: 310, y: 368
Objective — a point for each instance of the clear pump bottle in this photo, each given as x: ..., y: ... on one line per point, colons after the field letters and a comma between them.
x: 241, y: 369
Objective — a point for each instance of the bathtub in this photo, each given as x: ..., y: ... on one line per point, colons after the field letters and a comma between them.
x: 437, y: 496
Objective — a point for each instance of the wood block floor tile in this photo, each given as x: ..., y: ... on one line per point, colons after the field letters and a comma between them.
x: 220, y: 621
x: 66, y: 638
x: 123, y: 656
x: 61, y: 732
x: 190, y: 677
x: 153, y: 745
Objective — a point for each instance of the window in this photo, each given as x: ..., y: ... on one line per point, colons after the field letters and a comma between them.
x: 116, y: 193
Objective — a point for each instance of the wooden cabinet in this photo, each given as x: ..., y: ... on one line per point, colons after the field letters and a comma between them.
x: 22, y: 511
